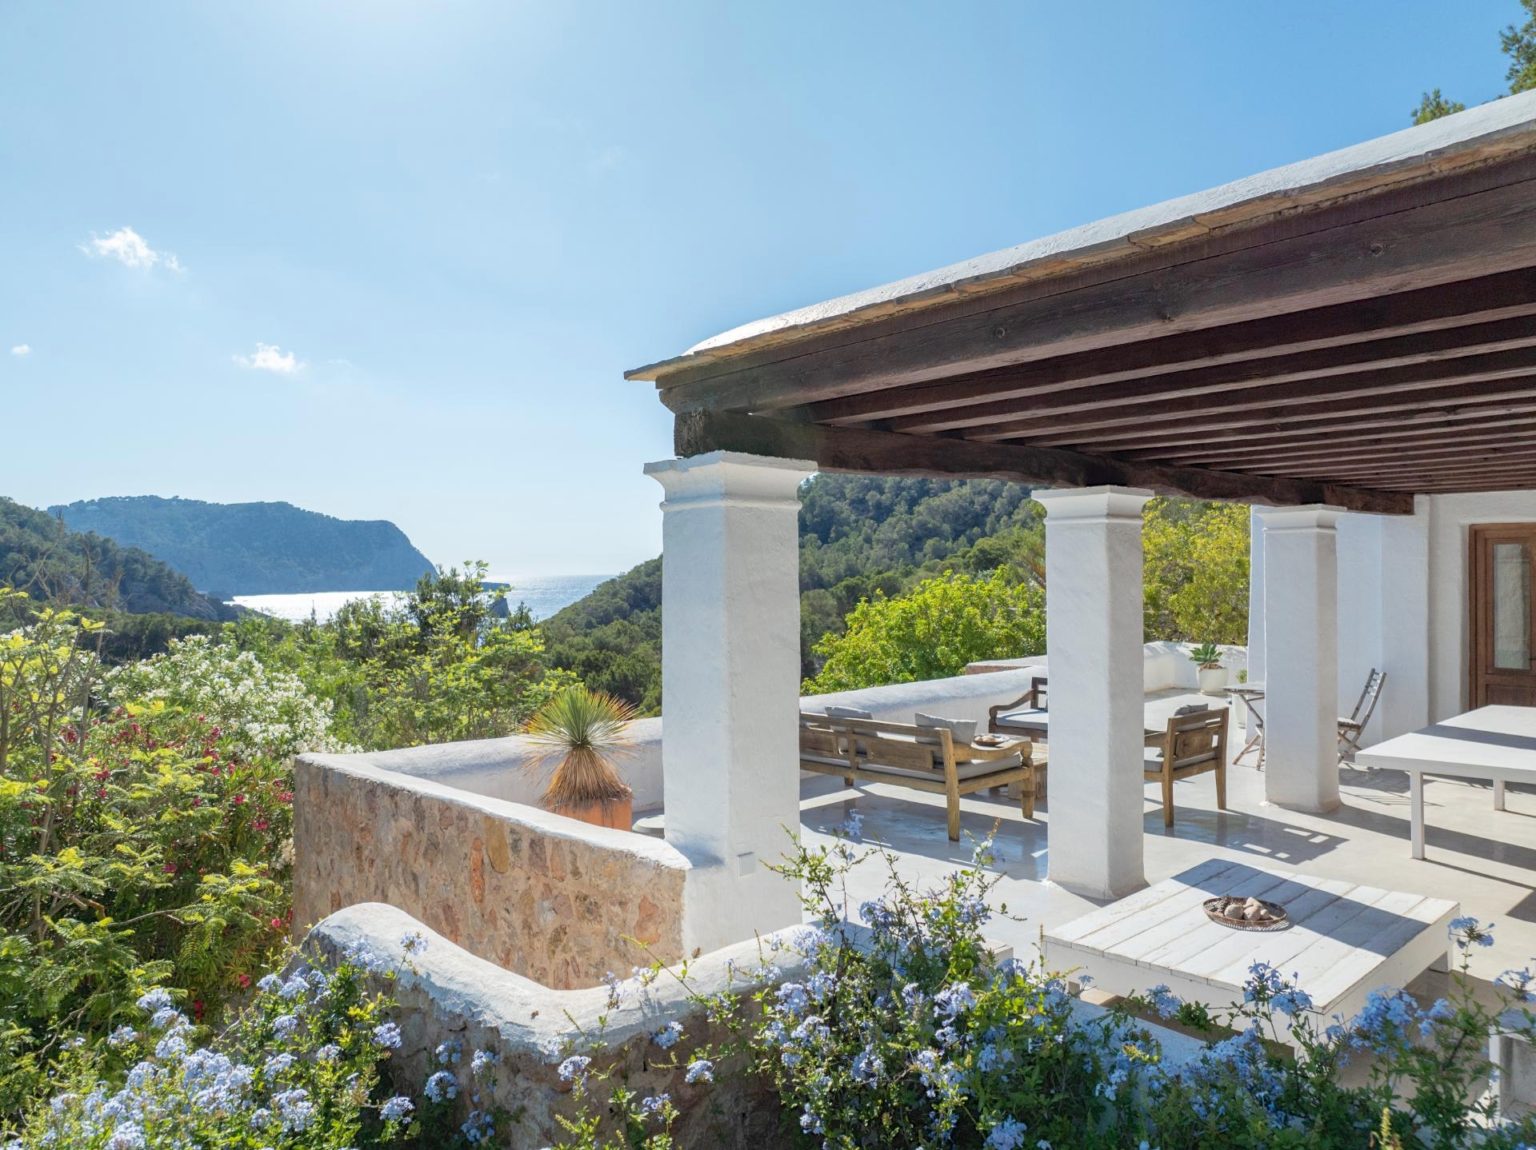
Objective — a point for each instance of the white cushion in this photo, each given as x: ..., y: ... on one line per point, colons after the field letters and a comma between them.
x: 848, y: 713
x: 963, y: 730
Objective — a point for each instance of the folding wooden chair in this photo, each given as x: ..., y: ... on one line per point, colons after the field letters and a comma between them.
x: 1352, y: 729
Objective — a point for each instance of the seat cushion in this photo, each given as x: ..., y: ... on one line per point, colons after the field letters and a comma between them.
x: 963, y: 730
x: 962, y: 770
x: 848, y: 713
x: 1025, y: 719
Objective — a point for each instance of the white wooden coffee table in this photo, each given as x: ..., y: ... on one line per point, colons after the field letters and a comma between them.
x: 1344, y: 940
x: 1495, y: 743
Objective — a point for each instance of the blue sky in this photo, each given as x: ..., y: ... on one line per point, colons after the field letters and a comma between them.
x: 390, y: 260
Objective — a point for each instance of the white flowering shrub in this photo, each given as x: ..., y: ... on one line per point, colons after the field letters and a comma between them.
x: 262, y: 713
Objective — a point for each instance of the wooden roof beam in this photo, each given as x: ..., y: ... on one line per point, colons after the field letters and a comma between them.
x: 886, y: 453
x: 1454, y: 238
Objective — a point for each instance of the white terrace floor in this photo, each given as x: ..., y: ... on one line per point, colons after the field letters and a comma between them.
x: 1484, y: 859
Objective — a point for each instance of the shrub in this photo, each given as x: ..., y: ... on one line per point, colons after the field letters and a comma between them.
x: 138, y: 847
x: 299, y: 1067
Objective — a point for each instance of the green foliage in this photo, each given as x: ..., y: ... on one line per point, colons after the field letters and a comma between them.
x: 1519, y: 44
x: 1433, y: 105
x: 1195, y: 571
x: 298, y: 1069
x: 52, y: 564
x: 932, y: 632
x: 448, y: 662
x: 611, y: 639
x: 1206, y: 655
x: 256, y: 548
x: 139, y: 845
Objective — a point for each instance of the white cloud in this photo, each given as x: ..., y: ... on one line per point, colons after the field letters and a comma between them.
x: 21, y: 349
x: 129, y: 248
x: 270, y: 357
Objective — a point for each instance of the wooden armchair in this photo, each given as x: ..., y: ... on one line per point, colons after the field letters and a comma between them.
x: 1352, y: 729
x: 1193, y: 744
x: 1013, y: 718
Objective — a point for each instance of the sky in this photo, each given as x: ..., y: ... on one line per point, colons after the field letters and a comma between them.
x: 389, y: 259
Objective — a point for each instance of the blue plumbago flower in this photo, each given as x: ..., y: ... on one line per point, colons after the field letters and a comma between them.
x: 1467, y: 931
x: 954, y: 1000
x: 611, y: 981
x: 128, y: 1136
x: 574, y: 1067
x: 284, y: 1025
x: 992, y: 1056
x: 1292, y: 1001
x: 655, y: 1106
x: 478, y: 1127
x: 396, y: 1109
x: 122, y: 1036
x: 811, y: 1123
x: 867, y: 1066
x: 261, y: 1118
x: 1263, y: 981
x: 413, y: 942
x: 318, y: 981
x: 157, y: 999
x: 982, y: 854
x: 167, y: 1018
x: 482, y: 1061
x: 1006, y: 1135
x: 294, y: 1109
x: 441, y: 1087
x: 1385, y: 1015
x: 1164, y: 1002
x: 386, y: 1036
x: 277, y: 1064
x: 793, y: 999
x: 700, y: 1070
x: 295, y: 988
x: 851, y: 827
x: 330, y: 1052
x: 668, y: 1036
x: 269, y: 983
x: 447, y: 1053
x: 173, y: 1045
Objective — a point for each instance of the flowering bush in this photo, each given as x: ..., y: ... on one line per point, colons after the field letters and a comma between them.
x: 262, y: 713
x: 912, y: 1034
x: 300, y: 1067
x: 138, y: 847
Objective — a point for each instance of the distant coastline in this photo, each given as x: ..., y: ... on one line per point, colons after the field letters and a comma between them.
x: 544, y: 595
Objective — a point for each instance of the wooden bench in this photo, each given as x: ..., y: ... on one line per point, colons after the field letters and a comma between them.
x: 923, y: 758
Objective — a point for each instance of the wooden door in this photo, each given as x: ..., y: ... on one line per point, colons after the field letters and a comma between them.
x: 1503, y: 624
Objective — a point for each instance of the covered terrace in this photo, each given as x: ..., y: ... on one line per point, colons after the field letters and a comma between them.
x: 1341, y: 338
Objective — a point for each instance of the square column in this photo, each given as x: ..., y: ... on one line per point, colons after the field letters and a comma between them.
x: 730, y: 671
x: 1093, y: 629
x: 1301, y: 673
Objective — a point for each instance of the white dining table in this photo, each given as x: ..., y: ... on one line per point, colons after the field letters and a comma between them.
x: 1495, y: 743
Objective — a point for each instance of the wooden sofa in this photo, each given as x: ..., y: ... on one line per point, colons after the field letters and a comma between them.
x: 923, y: 758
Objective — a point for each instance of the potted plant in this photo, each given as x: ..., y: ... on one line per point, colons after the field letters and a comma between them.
x: 1213, y: 676
x: 583, y: 732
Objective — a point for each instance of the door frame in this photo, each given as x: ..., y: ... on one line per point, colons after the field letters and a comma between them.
x: 1480, y: 539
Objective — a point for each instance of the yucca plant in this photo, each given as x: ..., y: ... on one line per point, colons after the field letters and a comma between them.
x: 1206, y: 655
x: 582, y: 733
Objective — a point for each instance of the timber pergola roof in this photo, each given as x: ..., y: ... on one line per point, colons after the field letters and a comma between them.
x: 1352, y: 329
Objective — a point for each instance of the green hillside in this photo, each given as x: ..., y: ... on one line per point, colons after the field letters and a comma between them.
x: 40, y: 555
x: 256, y: 548
x: 858, y: 534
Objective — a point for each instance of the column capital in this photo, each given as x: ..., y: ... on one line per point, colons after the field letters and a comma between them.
x: 1092, y: 503
x: 1309, y: 516
x: 730, y: 477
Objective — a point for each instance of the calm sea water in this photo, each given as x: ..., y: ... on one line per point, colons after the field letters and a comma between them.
x: 544, y: 595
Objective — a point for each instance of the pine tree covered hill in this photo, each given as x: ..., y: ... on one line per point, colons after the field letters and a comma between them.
x: 256, y: 548
x: 858, y: 535
x: 41, y: 556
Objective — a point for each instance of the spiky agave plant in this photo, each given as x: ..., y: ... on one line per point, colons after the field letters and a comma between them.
x: 583, y: 733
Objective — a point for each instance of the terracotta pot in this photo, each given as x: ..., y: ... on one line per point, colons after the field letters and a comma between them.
x: 616, y: 813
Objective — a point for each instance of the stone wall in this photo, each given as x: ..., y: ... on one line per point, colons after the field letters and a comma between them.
x: 538, y: 894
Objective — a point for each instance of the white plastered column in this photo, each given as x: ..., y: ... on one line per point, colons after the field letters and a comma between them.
x: 1093, y: 642
x: 1301, y: 673
x: 731, y: 686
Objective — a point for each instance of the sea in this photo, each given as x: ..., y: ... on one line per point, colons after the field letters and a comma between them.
x: 544, y: 595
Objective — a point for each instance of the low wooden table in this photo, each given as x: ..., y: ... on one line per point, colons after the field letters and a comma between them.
x: 1495, y: 743
x: 1343, y: 941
